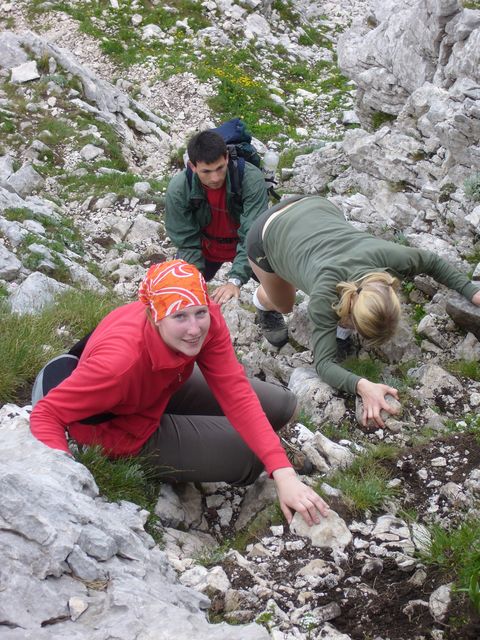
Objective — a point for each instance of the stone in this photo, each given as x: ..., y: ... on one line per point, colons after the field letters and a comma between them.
x: 6, y: 168
x: 386, y: 417
x: 315, y: 397
x: 35, y: 293
x: 144, y: 229
x: 152, y: 31
x: 76, y: 606
x: 336, y: 455
x: 330, y: 533
x: 90, y: 152
x: 10, y: 265
x: 25, y: 72
x: 25, y: 181
x: 439, y: 602
x: 258, y: 496
x: 464, y: 313
x: 142, y: 188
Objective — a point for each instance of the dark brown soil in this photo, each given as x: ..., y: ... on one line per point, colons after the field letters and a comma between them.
x: 376, y: 605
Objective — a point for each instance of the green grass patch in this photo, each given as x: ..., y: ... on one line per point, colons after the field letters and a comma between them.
x: 471, y: 187
x: 474, y: 256
x: 287, y: 157
x: 465, y: 369
x: 304, y: 419
x: 57, y: 130
x: 365, y: 368
x: 29, y: 341
x: 469, y: 424
x: 342, y: 431
x: 364, y: 484
x: 379, y: 118
x: 457, y: 553
x: 418, y: 313
x: 98, y: 184
x: 128, y: 479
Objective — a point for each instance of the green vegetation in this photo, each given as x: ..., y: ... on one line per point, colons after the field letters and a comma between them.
x: 418, y: 313
x: 29, y: 341
x: 400, y: 238
x: 243, y: 86
x: 287, y: 157
x: 474, y: 257
x: 304, y: 419
x: 365, y: 368
x: 379, y: 118
x: 469, y: 424
x: 122, y: 184
x: 471, y: 187
x: 471, y: 4
x: 364, y: 484
x: 336, y: 431
x: 128, y: 479
x: 457, y: 554
x: 465, y: 369
x: 446, y: 191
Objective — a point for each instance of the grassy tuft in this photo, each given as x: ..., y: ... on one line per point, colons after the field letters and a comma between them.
x: 457, y: 553
x: 29, y: 341
x: 365, y: 368
x: 128, y: 479
x: 471, y: 187
x: 364, y: 484
x: 465, y: 369
x: 379, y: 118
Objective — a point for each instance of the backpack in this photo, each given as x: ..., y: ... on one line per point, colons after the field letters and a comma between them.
x: 240, y: 150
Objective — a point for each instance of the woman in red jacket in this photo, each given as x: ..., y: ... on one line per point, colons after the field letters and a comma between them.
x: 136, y: 391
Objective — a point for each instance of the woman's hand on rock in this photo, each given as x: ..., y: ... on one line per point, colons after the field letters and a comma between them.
x: 294, y: 495
x: 373, y: 399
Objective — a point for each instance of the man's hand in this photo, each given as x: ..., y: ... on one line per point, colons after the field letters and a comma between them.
x: 373, y: 398
x: 293, y: 495
x: 476, y: 299
x: 225, y: 292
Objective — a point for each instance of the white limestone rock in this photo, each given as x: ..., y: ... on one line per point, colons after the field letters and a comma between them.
x: 330, y: 533
x: 36, y: 292
x: 25, y: 72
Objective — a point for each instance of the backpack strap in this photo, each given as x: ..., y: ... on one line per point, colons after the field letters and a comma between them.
x: 194, y: 202
x: 236, y: 171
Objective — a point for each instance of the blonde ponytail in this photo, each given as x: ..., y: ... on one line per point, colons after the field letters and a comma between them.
x: 372, y: 304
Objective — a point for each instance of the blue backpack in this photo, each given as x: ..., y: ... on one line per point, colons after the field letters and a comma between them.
x: 240, y: 150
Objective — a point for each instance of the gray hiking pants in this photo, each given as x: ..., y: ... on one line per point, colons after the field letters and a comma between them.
x: 196, y: 442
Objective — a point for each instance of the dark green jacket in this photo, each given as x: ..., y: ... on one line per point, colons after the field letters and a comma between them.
x: 184, y: 222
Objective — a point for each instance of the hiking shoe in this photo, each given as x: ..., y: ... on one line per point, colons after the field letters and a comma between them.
x: 345, y: 348
x: 273, y: 327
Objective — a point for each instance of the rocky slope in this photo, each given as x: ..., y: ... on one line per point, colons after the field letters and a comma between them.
x: 86, y: 149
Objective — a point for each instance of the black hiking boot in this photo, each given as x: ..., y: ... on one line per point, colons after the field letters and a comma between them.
x: 273, y: 327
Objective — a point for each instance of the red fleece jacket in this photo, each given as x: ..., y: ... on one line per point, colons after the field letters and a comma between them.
x: 126, y: 369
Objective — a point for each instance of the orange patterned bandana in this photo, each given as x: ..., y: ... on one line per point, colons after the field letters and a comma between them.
x: 171, y: 286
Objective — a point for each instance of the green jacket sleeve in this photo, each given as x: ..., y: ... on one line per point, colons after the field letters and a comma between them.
x: 181, y: 223
x: 407, y: 261
x: 254, y: 203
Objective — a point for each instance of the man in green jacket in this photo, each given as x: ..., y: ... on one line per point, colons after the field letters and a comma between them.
x: 208, y: 222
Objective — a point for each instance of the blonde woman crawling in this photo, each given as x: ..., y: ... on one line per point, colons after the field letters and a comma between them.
x: 351, y: 277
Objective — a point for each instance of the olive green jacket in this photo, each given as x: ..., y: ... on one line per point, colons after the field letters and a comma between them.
x: 312, y: 246
x: 184, y: 220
